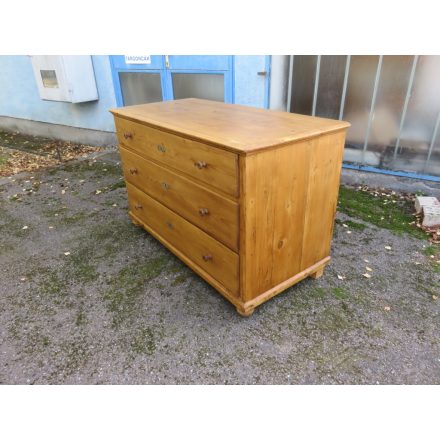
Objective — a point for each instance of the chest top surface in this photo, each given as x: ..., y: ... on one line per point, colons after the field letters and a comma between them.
x: 234, y: 127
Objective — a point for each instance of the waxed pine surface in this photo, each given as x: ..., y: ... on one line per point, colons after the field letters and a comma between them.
x: 236, y: 127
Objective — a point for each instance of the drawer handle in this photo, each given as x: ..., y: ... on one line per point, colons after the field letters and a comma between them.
x: 200, y: 164
x: 128, y: 135
x: 161, y: 148
x: 203, y: 211
x: 165, y: 186
x: 133, y: 171
x: 207, y: 257
x: 137, y: 206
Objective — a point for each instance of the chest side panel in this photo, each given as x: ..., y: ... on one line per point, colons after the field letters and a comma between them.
x: 272, y: 216
x: 322, y: 197
x: 288, y: 204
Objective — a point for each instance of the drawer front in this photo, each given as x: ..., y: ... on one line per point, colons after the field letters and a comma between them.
x: 210, y: 211
x: 206, y: 252
x: 211, y: 165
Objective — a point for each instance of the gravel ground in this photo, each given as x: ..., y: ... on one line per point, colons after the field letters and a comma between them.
x: 88, y: 298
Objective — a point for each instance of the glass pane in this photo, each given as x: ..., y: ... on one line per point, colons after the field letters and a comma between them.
x: 49, y: 78
x: 433, y: 166
x: 390, y: 98
x: 303, y: 83
x: 331, y: 82
x: 423, y: 108
x: 358, y: 104
x: 199, y: 85
x: 140, y: 88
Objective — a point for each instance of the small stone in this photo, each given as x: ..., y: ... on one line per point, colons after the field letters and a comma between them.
x: 63, y: 191
x: 98, y: 191
x: 388, y: 248
x: 66, y: 253
x: 434, y: 297
x: 366, y: 275
x: 387, y: 308
x: 23, y: 279
x: 24, y: 227
x: 348, y: 232
x: 369, y: 269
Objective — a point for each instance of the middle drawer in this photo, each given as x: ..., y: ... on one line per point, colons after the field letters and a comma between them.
x: 210, y: 211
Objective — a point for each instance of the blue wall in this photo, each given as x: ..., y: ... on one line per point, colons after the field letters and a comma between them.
x: 19, y: 96
x: 251, y: 88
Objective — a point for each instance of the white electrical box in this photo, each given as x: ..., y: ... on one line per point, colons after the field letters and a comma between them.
x: 68, y: 78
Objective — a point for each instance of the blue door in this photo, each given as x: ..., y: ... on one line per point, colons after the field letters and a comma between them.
x: 140, y: 79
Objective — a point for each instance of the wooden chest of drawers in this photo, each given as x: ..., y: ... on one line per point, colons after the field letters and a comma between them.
x: 245, y: 197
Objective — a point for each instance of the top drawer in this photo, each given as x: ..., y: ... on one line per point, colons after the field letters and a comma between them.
x: 211, y: 165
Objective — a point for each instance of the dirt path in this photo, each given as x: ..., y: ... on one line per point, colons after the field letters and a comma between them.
x: 86, y: 297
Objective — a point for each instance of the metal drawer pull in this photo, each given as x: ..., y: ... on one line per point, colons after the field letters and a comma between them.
x: 203, y: 211
x: 207, y: 257
x: 165, y: 185
x: 200, y: 164
x: 133, y: 171
x: 137, y: 206
x: 161, y: 148
x: 128, y: 135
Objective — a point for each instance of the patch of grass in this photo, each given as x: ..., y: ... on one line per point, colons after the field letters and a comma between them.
x: 128, y: 285
x: 433, y: 250
x: 395, y: 217
x: 117, y: 185
x: 339, y: 292
x: 80, y: 318
x: 75, y: 218
x: 145, y: 342
x: 353, y: 225
x: 180, y: 279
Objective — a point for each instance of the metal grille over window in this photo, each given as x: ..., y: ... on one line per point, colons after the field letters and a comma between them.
x: 392, y: 103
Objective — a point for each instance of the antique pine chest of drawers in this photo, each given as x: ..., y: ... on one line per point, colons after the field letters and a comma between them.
x: 245, y: 197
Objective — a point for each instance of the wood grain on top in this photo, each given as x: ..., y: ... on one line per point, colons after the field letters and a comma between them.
x: 235, y: 127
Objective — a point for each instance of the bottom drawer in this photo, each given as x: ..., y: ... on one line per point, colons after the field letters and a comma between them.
x: 206, y: 252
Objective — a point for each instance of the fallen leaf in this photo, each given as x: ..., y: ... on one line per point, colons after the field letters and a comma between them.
x: 114, y: 205
x: 348, y: 232
x: 366, y: 275
x: 63, y: 191
x: 66, y: 253
x: 434, y: 297
x: 366, y: 261
x: 388, y: 248
x: 24, y: 227
x: 50, y: 227
x: 341, y: 277
x: 344, y: 225
x: 387, y: 308
x: 98, y: 191
x: 23, y: 279
x: 417, y: 263
x: 369, y: 269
